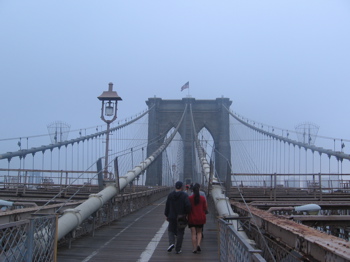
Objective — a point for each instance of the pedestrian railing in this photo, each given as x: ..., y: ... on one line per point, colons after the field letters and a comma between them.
x: 234, y: 247
x: 29, y: 240
x: 118, y: 207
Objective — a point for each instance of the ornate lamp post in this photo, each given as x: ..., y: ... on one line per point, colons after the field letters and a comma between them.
x: 108, y: 115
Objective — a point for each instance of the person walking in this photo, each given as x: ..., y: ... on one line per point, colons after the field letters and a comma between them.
x: 197, y: 217
x: 202, y: 193
x: 177, y: 204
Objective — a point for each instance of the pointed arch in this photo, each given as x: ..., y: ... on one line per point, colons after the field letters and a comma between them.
x: 211, y: 114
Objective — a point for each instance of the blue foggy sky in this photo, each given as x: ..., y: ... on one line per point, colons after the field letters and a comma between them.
x: 280, y: 62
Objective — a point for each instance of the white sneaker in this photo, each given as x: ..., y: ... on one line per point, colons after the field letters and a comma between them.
x: 170, y: 248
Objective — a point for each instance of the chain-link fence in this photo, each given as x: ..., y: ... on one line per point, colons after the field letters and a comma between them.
x: 29, y: 240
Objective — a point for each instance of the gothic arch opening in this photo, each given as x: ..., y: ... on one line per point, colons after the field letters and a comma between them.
x: 206, y: 141
x: 211, y: 114
x: 172, y: 164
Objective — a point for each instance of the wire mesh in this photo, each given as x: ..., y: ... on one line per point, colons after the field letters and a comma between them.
x: 28, y: 240
x: 233, y: 247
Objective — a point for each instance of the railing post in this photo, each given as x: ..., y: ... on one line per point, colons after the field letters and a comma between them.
x: 61, y: 179
x: 25, y: 182
x: 271, y: 186
x: 100, y: 174
x: 56, y: 239
x: 30, y: 241
x: 66, y: 184
x: 320, y: 185
x: 18, y: 181
x: 116, y: 174
x: 331, y: 185
x: 275, y: 187
x: 314, y: 185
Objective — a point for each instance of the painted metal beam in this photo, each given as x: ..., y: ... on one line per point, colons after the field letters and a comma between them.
x: 308, y: 241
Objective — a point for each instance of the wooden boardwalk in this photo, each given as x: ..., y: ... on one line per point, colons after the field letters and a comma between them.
x: 141, y: 236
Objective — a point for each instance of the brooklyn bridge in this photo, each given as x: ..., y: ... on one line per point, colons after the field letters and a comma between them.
x: 97, y: 194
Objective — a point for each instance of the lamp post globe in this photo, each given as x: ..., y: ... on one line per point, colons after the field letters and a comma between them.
x: 109, y: 101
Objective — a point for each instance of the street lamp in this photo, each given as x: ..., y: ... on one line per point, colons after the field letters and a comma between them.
x: 108, y: 115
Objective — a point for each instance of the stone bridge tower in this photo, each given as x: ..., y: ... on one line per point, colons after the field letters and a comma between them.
x: 211, y: 114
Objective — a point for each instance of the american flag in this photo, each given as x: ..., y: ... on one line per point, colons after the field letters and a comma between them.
x: 187, y: 85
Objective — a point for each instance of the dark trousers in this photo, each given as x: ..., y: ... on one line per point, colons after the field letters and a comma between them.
x: 175, y: 234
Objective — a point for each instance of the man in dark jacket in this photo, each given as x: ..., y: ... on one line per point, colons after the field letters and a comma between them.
x: 177, y: 203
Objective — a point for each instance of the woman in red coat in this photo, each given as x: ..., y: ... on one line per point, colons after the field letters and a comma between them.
x: 197, y: 217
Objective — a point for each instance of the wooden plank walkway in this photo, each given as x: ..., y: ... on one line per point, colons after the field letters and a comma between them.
x: 134, y: 237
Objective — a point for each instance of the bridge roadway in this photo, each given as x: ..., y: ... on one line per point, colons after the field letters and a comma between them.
x: 141, y: 236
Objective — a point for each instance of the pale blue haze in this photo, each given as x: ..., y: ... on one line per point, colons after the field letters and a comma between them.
x: 280, y: 62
